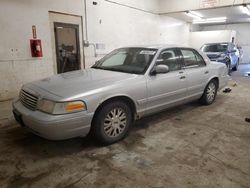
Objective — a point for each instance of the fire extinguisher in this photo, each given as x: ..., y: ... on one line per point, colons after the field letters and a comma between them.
x: 36, y: 48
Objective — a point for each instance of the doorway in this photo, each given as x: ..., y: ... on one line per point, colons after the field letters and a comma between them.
x: 67, y: 47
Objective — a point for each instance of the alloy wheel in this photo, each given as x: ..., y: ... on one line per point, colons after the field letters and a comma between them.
x: 211, y: 92
x: 115, y: 122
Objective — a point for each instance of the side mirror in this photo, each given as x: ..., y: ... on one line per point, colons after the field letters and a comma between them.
x: 160, y: 69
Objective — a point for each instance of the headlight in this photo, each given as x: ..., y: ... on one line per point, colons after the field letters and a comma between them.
x: 46, y: 106
x: 222, y: 56
x: 61, y: 107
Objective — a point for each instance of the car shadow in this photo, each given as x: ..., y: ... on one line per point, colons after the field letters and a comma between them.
x: 35, y: 145
x: 16, y: 138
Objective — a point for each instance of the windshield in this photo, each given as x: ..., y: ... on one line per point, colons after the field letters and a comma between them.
x: 129, y: 60
x: 214, y: 48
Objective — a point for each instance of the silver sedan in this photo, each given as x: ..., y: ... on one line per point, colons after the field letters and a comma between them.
x: 125, y: 85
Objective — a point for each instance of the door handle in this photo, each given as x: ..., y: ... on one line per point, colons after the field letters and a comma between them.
x: 206, y: 72
x: 182, y: 77
x: 181, y: 72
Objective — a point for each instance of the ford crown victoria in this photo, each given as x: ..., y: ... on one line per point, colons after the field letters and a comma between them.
x: 123, y: 86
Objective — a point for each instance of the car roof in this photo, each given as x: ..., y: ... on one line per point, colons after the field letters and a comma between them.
x: 158, y: 46
x: 218, y: 43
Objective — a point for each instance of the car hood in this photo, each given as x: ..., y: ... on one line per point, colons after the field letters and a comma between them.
x: 213, y: 55
x: 78, y: 82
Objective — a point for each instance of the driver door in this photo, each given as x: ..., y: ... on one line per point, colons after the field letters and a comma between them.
x: 167, y: 89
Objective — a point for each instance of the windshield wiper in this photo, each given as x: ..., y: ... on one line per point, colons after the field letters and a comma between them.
x: 116, y: 70
x: 96, y: 67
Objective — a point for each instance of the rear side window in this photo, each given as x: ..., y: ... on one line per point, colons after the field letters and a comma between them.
x: 192, y: 58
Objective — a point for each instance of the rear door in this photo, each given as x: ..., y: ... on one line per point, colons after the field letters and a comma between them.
x: 197, y: 72
x: 168, y: 89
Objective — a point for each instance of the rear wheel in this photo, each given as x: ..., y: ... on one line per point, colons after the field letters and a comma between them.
x: 210, y: 93
x: 112, y: 122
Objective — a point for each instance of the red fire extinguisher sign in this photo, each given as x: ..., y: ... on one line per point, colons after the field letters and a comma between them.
x: 35, y: 44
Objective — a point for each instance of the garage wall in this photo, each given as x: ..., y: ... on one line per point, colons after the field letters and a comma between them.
x: 126, y: 26
x: 113, y: 26
x: 16, y: 19
x: 173, y: 31
x: 110, y: 25
x: 242, y: 36
x: 151, y: 6
x: 197, y: 39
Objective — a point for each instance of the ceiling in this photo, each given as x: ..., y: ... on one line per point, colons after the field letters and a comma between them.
x: 234, y: 14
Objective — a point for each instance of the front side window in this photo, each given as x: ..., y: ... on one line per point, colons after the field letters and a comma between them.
x: 129, y: 60
x: 192, y: 58
x: 168, y: 57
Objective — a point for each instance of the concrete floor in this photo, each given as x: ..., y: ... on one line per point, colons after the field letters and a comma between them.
x: 187, y: 146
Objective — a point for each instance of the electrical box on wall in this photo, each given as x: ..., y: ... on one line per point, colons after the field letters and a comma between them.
x: 36, y: 48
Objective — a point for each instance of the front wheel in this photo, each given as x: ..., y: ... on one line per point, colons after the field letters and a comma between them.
x: 210, y: 93
x: 112, y: 122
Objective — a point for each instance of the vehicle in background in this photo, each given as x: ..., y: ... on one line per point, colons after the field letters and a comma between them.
x: 240, y: 51
x: 123, y: 86
x: 226, y: 53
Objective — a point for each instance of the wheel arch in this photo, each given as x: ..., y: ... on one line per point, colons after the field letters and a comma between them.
x: 216, y: 78
x: 128, y: 100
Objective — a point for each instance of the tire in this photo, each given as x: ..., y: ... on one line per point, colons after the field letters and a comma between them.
x: 210, y: 93
x: 112, y: 122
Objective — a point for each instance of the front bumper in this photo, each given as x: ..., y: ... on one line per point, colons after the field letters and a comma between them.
x: 53, y: 127
x: 220, y: 60
x: 223, y: 81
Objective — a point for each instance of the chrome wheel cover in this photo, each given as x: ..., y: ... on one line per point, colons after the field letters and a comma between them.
x: 115, y: 122
x: 211, y: 91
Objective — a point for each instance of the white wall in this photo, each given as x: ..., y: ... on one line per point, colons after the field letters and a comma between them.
x: 197, y: 39
x: 173, y: 31
x: 242, y: 36
x: 110, y: 24
x: 149, y: 5
x: 117, y: 26
x: 16, y: 19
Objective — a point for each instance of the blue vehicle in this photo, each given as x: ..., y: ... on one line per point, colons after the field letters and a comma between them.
x: 223, y: 52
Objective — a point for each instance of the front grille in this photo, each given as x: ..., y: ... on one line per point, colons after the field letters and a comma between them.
x: 28, y: 100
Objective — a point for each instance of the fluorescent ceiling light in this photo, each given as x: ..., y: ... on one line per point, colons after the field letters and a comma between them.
x: 245, y: 9
x: 210, y: 20
x: 196, y: 13
x: 193, y: 14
